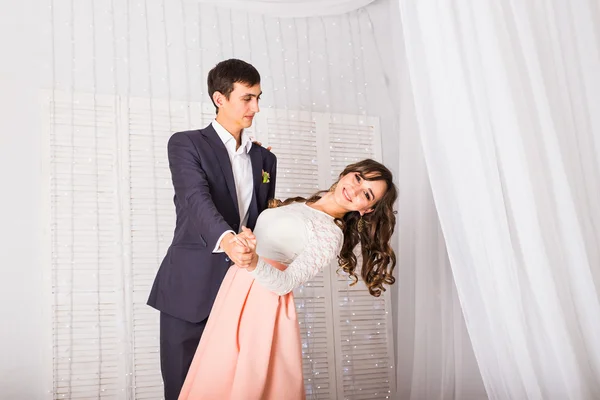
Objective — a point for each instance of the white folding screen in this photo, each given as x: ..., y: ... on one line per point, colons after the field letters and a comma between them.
x: 85, y: 252
x: 356, y: 361
x: 112, y: 219
x: 362, y: 323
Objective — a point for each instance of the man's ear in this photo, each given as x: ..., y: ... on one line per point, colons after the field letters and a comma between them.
x: 218, y: 98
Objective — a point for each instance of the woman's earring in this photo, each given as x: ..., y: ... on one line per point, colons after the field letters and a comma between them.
x: 360, y: 225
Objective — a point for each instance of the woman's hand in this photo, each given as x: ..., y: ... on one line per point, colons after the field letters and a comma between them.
x: 247, y: 238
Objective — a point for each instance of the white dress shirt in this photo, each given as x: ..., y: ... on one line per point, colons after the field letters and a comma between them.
x: 242, y: 173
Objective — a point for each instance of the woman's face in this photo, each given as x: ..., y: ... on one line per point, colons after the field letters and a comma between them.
x: 354, y: 193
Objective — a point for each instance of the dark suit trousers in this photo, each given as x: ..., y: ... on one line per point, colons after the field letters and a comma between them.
x: 178, y: 342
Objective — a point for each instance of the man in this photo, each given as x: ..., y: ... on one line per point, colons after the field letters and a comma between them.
x: 222, y: 182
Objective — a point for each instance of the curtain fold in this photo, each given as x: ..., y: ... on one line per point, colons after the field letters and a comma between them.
x: 292, y: 8
x: 435, y: 354
x: 506, y: 97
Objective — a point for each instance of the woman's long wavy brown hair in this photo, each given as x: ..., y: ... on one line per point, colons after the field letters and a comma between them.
x: 378, y: 257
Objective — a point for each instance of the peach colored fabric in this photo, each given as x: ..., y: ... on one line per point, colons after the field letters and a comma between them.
x: 250, y: 348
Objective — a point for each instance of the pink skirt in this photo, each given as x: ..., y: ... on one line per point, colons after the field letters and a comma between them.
x: 250, y: 348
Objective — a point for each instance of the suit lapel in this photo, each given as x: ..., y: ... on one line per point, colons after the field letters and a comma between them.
x: 256, y: 160
x: 223, y: 158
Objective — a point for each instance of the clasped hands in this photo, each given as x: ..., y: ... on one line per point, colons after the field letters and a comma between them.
x: 241, y: 248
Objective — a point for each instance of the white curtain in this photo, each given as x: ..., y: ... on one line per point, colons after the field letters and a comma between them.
x: 507, y: 97
x: 292, y: 8
x: 435, y: 356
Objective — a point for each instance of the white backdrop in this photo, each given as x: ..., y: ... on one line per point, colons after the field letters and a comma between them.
x: 340, y: 80
x: 292, y: 8
x: 493, y: 84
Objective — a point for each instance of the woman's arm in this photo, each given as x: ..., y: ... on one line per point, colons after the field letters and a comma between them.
x: 322, y: 247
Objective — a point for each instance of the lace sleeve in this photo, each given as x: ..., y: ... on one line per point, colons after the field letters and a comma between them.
x: 322, y: 247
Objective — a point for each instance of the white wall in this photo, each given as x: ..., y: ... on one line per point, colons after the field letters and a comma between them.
x: 22, y: 329
x: 25, y: 335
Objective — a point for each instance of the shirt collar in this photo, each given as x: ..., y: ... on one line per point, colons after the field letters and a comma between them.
x: 225, y: 137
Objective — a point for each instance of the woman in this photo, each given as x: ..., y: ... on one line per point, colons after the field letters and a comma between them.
x: 251, y: 347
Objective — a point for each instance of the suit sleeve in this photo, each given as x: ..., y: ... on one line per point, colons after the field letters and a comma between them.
x: 192, y: 190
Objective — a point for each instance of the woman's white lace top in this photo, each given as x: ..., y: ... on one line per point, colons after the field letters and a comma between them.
x: 304, y: 239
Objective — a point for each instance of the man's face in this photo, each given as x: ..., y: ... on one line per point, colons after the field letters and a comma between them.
x: 238, y: 111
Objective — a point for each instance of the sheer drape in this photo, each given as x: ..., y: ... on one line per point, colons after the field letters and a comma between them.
x: 507, y: 97
x: 435, y: 355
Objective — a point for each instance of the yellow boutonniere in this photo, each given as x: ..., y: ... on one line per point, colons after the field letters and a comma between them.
x: 266, y: 178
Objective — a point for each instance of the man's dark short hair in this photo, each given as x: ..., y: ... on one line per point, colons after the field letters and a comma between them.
x: 222, y: 77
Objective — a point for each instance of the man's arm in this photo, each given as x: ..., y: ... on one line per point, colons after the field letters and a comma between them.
x: 191, y: 189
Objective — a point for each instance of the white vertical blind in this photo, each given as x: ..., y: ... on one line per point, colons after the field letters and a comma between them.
x: 113, y: 218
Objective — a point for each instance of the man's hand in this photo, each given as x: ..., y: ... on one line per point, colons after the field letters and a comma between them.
x: 237, y: 251
x: 249, y: 240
